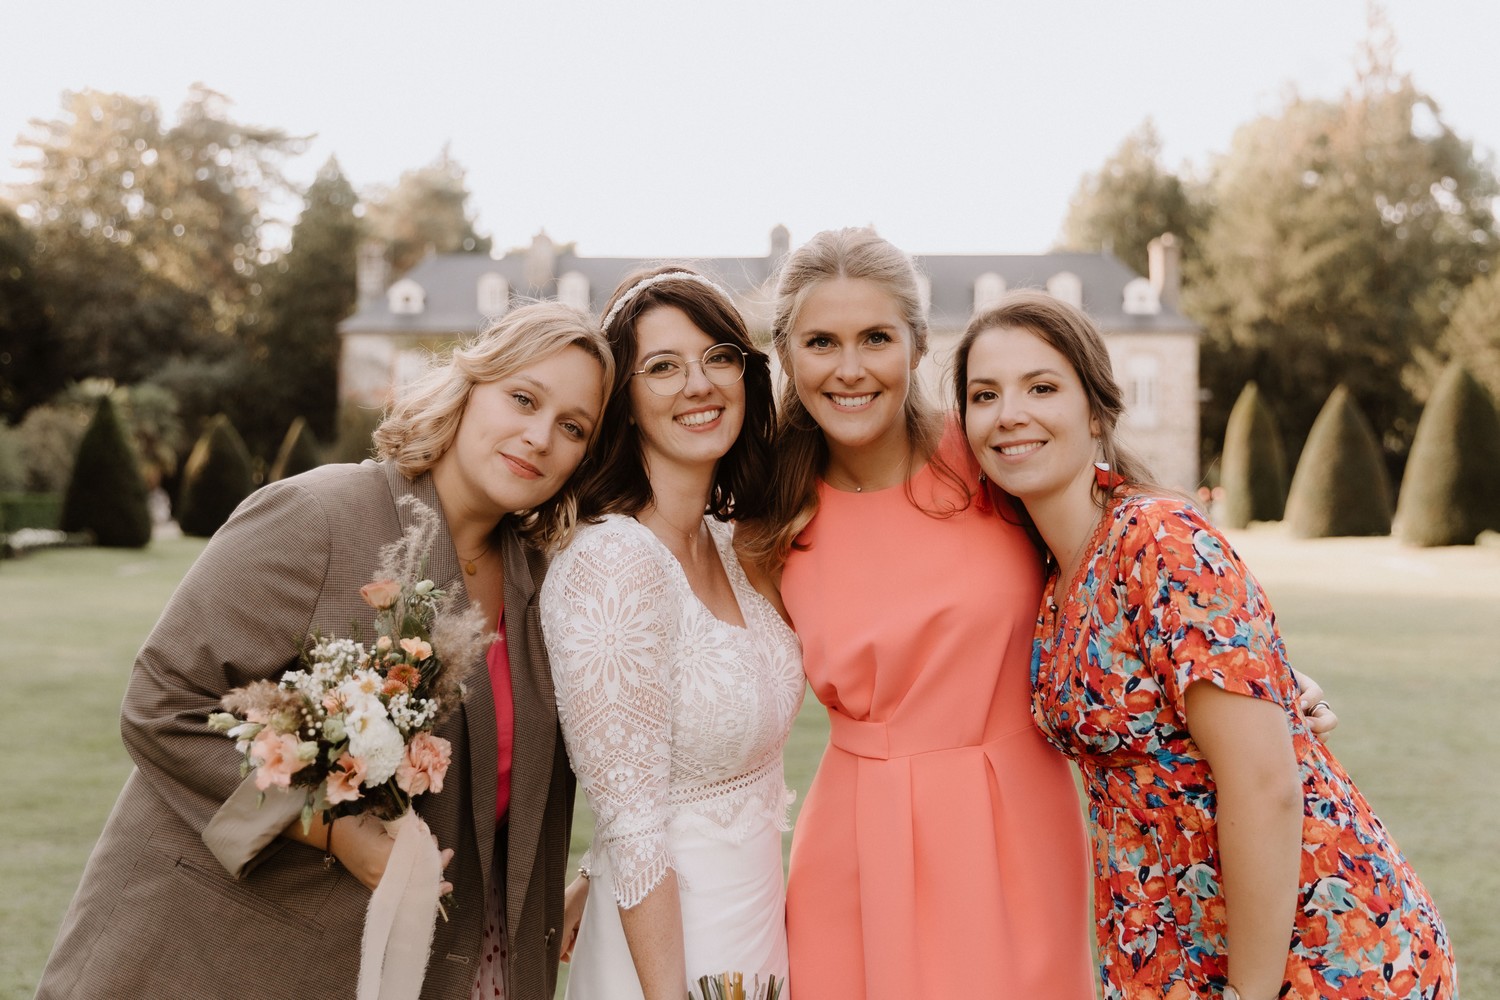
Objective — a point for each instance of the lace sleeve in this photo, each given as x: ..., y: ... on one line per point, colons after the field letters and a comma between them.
x: 608, y: 616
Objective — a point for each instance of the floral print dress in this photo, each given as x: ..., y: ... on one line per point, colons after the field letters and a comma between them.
x: 1162, y: 602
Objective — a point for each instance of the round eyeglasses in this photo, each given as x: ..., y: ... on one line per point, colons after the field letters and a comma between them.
x: 667, y: 374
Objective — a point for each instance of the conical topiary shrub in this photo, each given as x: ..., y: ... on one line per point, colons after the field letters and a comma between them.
x: 1451, y: 490
x: 214, y: 481
x: 299, y: 452
x: 1252, y: 469
x: 106, y: 494
x: 1341, y: 486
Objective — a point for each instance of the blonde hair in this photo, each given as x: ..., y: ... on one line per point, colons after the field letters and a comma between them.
x: 421, y: 423
x: 801, y: 449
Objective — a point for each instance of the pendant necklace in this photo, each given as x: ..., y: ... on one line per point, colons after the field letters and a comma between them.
x: 1073, y: 568
x: 469, y: 564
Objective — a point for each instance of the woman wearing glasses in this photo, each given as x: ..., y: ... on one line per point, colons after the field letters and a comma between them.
x: 677, y: 676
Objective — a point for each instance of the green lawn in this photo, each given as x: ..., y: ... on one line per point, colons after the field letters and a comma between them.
x: 1406, y: 642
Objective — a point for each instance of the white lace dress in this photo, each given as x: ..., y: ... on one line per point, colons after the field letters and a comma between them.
x: 675, y: 723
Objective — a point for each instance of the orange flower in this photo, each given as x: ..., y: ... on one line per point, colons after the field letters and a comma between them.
x: 381, y: 594
x: 344, y: 780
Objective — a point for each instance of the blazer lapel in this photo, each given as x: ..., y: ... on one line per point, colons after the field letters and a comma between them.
x: 535, y: 724
x: 478, y: 700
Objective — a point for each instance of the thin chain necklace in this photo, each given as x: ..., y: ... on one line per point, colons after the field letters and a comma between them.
x: 1065, y: 586
x: 469, y: 564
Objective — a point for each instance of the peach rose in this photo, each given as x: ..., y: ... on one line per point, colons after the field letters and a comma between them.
x: 276, y: 758
x: 344, y: 779
x: 417, y: 649
x: 424, y: 765
x: 381, y: 594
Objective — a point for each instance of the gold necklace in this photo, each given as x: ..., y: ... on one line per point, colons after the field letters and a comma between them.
x: 1066, y: 586
x: 468, y: 563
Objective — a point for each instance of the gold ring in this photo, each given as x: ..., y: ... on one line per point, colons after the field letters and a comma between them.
x: 1320, y: 706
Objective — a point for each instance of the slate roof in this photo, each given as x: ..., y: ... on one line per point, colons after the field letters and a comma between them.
x: 450, y: 283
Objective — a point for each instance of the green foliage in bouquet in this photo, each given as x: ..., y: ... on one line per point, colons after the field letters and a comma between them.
x: 106, y: 493
x: 214, y: 481
x: 1451, y: 490
x: 1341, y: 486
x: 299, y: 452
x: 1253, y: 466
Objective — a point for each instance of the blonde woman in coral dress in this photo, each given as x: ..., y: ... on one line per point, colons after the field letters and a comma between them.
x: 941, y: 850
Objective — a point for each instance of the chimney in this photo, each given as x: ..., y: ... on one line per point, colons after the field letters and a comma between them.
x: 540, y: 268
x: 781, y: 244
x: 1164, y: 255
x: 372, y: 272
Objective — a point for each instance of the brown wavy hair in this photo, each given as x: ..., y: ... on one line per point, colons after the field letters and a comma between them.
x: 616, y: 482
x: 801, y: 448
x: 422, y: 421
x: 1069, y: 331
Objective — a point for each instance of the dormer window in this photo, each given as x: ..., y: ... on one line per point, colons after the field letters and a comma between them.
x: 406, y: 297
x: 989, y: 289
x: 1065, y: 287
x: 573, y: 290
x: 1140, y: 299
x: 494, y: 295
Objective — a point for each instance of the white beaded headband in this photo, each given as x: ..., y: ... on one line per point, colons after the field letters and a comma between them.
x: 655, y: 279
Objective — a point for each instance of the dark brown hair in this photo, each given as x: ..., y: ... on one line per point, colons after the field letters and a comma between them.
x: 615, y: 481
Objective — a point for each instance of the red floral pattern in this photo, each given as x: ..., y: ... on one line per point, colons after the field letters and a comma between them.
x: 1163, y: 602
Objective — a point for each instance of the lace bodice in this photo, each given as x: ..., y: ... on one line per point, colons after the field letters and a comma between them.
x: 672, y: 717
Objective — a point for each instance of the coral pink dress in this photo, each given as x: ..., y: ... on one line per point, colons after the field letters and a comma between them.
x: 941, y: 849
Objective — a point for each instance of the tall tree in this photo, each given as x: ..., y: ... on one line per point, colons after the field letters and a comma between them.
x: 1473, y: 334
x: 182, y: 201
x: 1342, y: 235
x: 427, y: 211
x: 1131, y: 201
x: 294, y: 350
x: 30, y: 363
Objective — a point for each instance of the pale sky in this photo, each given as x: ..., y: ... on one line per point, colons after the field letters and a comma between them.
x: 635, y: 127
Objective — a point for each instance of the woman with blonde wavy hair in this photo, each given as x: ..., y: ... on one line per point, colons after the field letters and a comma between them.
x: 227, y: 892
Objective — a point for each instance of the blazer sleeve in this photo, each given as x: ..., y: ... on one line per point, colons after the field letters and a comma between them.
x: 241, y: 614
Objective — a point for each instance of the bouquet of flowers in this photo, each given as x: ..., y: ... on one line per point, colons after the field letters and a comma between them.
x: 353, y: 725
x: 731, y: 986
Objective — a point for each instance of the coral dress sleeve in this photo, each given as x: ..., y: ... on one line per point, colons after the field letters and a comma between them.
x: 610, y: 633
x: 1209, y: 620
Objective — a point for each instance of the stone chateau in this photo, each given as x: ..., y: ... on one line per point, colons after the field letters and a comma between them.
x: 450, y: 296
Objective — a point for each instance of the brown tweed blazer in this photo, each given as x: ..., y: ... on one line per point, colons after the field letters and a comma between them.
x: 189, y: 891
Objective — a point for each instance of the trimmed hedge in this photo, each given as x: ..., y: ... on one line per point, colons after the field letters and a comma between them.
x: 106, y: 493
x: 1451, y: 490
x: 30, y: 510
x: 299, y: 452
x: 214, y: 481
x: 1252, y: 468
x: 1341, y: 486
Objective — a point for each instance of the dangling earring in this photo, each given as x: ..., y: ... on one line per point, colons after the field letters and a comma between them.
x: 983, y: 479
x: 1107, y: 479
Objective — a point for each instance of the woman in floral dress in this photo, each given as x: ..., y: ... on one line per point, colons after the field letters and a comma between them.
x: 1233, y: 855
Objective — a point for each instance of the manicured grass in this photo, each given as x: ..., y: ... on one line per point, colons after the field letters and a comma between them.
x: 1406, y: 642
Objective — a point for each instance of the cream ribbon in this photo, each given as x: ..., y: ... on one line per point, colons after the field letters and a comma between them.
x: 401, y: 916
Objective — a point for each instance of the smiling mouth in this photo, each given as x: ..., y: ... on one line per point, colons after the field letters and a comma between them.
x: 1025, y: 448
x: 700, y: 418
x: 851, y: 402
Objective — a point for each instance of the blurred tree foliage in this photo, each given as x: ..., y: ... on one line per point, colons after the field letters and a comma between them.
x: 1473, y: 334
x: 426, y: 211
x: 30, y: 363
x: 179, y: 204
x: 1131, y: 201
x: 1342, y: 235
x: 294, y: 349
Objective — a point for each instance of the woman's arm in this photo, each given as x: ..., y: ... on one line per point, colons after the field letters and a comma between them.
x: 653, y: 929
x: 1249, y: 748
x: 609, y: 617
